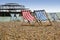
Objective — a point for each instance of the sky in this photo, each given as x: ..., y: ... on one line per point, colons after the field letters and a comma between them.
x: 48, y: 5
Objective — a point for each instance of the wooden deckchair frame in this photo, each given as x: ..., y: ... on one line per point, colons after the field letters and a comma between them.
x: 46, y: 17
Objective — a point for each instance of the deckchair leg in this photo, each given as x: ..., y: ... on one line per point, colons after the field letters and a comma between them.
x: 22, y: 22
x: 38, y: 22
x: 29, y: 22
x: 35, y: 21
x: 48, y: 19
x: 41, y: 23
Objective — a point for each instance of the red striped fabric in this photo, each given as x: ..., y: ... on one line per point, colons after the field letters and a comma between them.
x: 27, y: 15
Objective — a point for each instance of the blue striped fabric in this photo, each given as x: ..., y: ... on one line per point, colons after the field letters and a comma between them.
x: 40, y: 16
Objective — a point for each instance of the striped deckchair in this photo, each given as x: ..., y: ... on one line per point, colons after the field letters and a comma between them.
x: 12, y: 17
x: 41, y: 16
x: 55, y: 19
x: 17, y: 17
x: 27, y: 16
x: 54, y: 16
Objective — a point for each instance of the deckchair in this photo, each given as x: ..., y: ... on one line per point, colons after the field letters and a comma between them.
x: 41, y: 16
x: 27, y: 16
x: 17, y: 17
x: 12, y: 17
x: 54, y: 17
